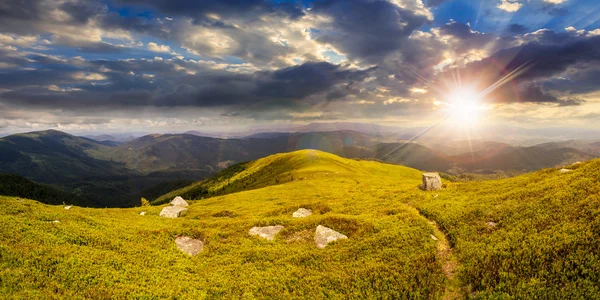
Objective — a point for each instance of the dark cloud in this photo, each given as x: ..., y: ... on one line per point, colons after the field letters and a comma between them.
x: 167, y: 86
x: 366, y: 30
x: 533, y: 93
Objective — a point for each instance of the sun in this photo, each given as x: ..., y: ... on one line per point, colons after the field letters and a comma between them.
x: 464, y: 106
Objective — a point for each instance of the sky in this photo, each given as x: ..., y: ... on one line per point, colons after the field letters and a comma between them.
x: 214, y: 65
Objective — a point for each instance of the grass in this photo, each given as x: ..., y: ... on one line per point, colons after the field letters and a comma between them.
x: 545, y: 244
x: 116, y: 253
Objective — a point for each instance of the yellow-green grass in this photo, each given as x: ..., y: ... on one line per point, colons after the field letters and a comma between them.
x: 546, y: 243
x: 116, y: 253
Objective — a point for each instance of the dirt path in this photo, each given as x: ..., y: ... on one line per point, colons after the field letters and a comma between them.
x: 449, y: 263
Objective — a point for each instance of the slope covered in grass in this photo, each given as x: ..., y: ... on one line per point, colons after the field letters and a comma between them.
x: 118, y: 253
x: 532, y: 236
x: 278, y: 169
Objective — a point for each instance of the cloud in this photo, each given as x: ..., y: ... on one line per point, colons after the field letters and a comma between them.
x: 509, y: 5
x: 158, y: 48
x: 366, y: 30
x: 172, y: 83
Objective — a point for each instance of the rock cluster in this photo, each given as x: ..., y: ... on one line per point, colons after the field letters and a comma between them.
x: 177, y: 209
x: 431, y: 182
x: 189, y: 245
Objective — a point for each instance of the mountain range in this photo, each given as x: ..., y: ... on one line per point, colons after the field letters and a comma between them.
x: 109, y: 174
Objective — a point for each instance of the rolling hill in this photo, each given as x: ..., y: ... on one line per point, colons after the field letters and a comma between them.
x: 531, y: 236
x: 107, y: 174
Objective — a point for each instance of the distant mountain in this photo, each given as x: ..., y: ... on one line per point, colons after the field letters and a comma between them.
x: 55, y: 157
x: 117, y: 175
x: 186, y: 152
x: 588, y: 146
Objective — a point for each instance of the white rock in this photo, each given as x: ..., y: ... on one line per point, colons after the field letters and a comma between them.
x: 68, y: 207
x: 491, y: 224
x: 173, y: 212
x: 267, y: 232
x: 302, y: 213
x: 324, y: 236
x: 433, y: 237
x: 143, y: 213
x: 178, y: 201
x: 431, y: 182
x: 565, y: 170
x: 189, y: 245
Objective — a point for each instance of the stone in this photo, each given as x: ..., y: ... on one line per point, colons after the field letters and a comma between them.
x: 302, y: 213
x: 189, y: 245
x: 143, y: 213
x: 267, y: 232
x: 173, y: 212
x: 565, y: 170
x: 433, y: 237
x: 325, y: 235
x: 178, y: 201
x: 491, y: 224
x: 68, y: 207
x: 431, y: 182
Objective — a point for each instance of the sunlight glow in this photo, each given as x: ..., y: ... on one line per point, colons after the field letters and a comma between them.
x: 464, y: 106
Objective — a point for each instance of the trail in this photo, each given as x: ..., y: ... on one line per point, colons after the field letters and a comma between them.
x: 449, y: 263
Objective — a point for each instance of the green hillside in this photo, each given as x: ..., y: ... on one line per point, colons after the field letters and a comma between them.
x: 17, y: 186
x: 532, y: 236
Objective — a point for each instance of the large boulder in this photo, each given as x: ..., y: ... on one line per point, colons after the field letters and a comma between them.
x: 302, y: 213
x: 431, y: 182
x: 324, y: 236
x: 178, y: 201
x: 267, y: 232
x: 173, y: 212
x: 189, y: 245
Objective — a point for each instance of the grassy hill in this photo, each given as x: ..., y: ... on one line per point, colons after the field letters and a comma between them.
x: 17, y: 186
x: 532, y: 236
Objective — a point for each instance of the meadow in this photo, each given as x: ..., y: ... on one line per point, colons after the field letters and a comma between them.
x: 402, y: 242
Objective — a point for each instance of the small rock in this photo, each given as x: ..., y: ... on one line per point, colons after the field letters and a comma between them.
x: 189, y: 245
x: 178, y: 201
x: 576, y: 163
x: 267, y: 232
x: 491, y: 224
x: 433, y: 237
x: 55, y: 221
x: 173, y: 212
x: 324, y: 236
x: 302, y: 213
x: 565, y: 170
x: 68, y: 207
x: 143, y: 213
x: 431, y: 182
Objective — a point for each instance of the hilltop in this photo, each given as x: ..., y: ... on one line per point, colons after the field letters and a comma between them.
x: 532, y: 236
